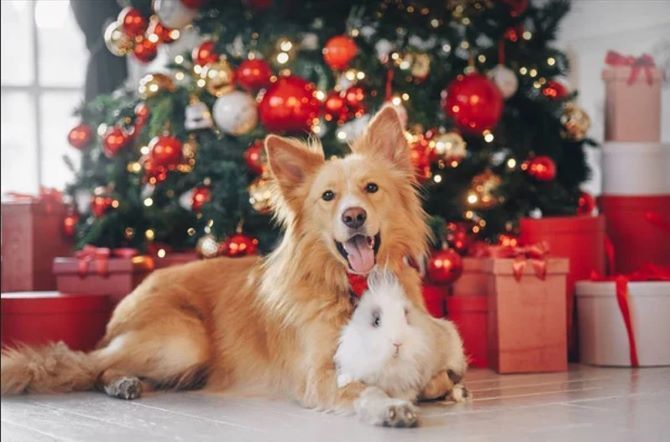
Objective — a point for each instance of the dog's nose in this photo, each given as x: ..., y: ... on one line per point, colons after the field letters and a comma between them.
x: 354, y: 217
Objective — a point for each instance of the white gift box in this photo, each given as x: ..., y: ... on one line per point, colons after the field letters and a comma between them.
x: 603, y: 339
x: 632, y: 168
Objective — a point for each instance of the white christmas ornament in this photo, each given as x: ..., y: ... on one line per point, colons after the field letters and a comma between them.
x: 235, y: 113
x: 173, y: 13
x: 198, y: 116
x: 505, y: 79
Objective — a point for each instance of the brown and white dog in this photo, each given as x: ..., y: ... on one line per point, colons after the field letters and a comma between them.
x: 272, y: 321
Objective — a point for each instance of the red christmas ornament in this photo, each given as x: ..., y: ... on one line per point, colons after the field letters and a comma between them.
x: 289, y: 105
x: 444, y: 266
x: 339, y: 51
x: 474, y: 102
x: 70, y: 223
x: 542, y: 168
x: 335, y: 107
x: 354, y: 98
x: 163, y: 33
x: 142, y: 113
x: 204, y: 53
x: 554, y: 90
x: 114, y: 140
x: 585, y: 204
x: 145, y: 50
x: 80, y: 136
x: 238, y: 245
x: 456, y: 235
x: 132, y: 21
x: 253, y: 74
x: 165, y: 151
x: 254, y: 156
x: 100, y: 205
x: 201, y: 195
x: 513, y: 33
x: 194, y: 4
x: 516, y: 7
x: 153, y: 173
x: 420, y: 156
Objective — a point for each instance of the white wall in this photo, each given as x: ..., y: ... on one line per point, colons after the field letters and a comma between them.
x: 627, y: 26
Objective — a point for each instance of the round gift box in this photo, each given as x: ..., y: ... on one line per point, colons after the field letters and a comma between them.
x: 635, y: 168
x: 603, y: 339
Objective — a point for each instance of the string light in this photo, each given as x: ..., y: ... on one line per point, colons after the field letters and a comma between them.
x: 533, y: 72
x: 360, y: 75
x: 511, y: 163
x: 405, y: 96
x: 282, y: 58
x: 197, y: 69
x: 179, y: 59
x: 481, y: 58
x: 320, y: 95
x: 148, y: 202
x: 526, y: 35
x: 551, y: 61
x: 523, y: 70
x: 341, y: 135
x: 488, y: 136
x: 201, y: 83
x: 286, y: 45
x: 134, y: 167
x: 465, y: 44
x: 161, y: 253
x: 435, y: 23
x: 129, y: 232
x: 144, y: 150
x: 472, y: 198
x: 115, y: 204
x: 469, y: 214
x: 446, y: 48
x: 190, y: 231
x: 396, y: 101
x: 149, y: 234
x: 179, y: 76
x: 465, y: 21
x: 437, y: 178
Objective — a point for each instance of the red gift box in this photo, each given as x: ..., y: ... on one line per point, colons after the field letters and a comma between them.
x: 473, y: 281
x: 639, y: 230
x: 469, y: 314
x: 581, y: 239
x: 434, y: 297
x: 632, y: 98
x: 526, y: 315
x: 43, y: 317
x: 94, y: 272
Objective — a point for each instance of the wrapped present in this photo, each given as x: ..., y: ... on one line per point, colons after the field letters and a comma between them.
x: 623, y: 319
x: 102, y: 271
x: 469, y: 314
x: 473, y: 281
x: 43, y: 317
x: 632, y: 98
x: 581, y: 239
x: 32, y: 235
x: 635, y: 168
x: 526, y: 312
x: 434, y: 297
x: 638, y: 228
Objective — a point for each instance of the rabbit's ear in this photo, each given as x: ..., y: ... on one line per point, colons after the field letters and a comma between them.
x: 381, y: 277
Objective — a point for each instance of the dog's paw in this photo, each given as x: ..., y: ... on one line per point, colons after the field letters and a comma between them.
x: 460, y: 393
x: 125, y: 388
x: 376, y: 408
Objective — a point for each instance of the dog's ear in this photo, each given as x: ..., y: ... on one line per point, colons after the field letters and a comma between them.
x: 291, y: 161
x: 385, y: 137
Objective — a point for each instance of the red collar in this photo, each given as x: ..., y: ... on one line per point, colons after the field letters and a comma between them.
x: 358, y: 284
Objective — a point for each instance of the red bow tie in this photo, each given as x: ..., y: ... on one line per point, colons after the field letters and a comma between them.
x: 357, y: 284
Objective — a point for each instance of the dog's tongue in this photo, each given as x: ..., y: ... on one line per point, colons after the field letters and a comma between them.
x: 361, y: 255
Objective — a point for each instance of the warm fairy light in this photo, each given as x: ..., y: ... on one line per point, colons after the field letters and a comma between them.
x: 207, y: 229
x: 396, y: 101
x: 350, y: 75
x: 149, y: 234
x: 405, y: 64
x: 134, y: 167
x: 282, y: 57
x: 153, y: 38
x: 537, y: 84
x: 190, y: 231
x: 179, y: 59
x: 320, y: 95
x: 286, y: 45
x: 197, y: 69
x: 115, y: 204
x: 551, y: 61
x: 533, y: 73
x: 129, y: 232
x: 144, y: 150
x: 355, y: 32
x: 511, y: 163
x: 481, y: 58
x: 475, y: 229
x: 526, y: 35
x: 161, y: 253
x: 341, y: 135
x: 148, y: 202
x: 465, y: 21
x: 437, y: 178
x: 542, y: 80
x: 360, y: 75
x: 523, y: 70
x: 488, y: 136
x: 454, y: 163
x: 435, y: 23
x: 405, y: 96
x: 175, y: 34
x: 179, y: 76
x: 469, y: 214
x: 201, y: 83
x: 395, y: 56
x: 317, y: 128
x: 446, y: 48
x: 102, y: 128
x: 465, y: 44
x: 482, y: 222
x: 472, y: 198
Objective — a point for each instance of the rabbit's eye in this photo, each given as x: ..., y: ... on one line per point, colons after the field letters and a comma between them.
x: 376, y: 318
x: 406, y: 315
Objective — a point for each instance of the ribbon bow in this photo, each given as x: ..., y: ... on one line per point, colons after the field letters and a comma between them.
x: 100, y: 256
x: 644, y: 62
x: 534, y: 254
x: 648, y: 272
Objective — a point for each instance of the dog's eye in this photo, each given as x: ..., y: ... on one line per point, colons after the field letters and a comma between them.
x: 376, y: 319
x: 371, y: 187
x: 328, y: 195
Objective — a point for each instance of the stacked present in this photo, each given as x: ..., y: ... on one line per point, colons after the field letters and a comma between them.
x: 51, y: 294
x: 623, y: 317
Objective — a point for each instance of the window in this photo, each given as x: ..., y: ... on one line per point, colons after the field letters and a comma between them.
x: 43, y: 69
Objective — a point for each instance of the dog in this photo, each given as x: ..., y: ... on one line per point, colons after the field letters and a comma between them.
x: 271, y: 321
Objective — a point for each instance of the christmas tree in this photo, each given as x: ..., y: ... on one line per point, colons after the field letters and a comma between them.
x: 178, y: 161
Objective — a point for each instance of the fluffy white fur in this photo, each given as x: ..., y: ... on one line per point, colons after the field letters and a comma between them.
x: 403, y: 350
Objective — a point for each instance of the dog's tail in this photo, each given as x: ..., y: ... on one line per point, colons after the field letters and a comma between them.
x: 52, y: 368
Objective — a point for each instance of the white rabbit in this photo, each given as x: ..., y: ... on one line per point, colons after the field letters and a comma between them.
x: 390, y: 344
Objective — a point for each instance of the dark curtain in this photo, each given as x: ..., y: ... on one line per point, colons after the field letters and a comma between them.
x: 105, y: 71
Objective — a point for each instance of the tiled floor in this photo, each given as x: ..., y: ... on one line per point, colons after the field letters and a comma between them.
x: 585, y: 403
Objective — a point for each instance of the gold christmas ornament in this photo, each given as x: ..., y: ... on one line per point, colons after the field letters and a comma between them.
x: 207, y: 246
x: 260, y: 194
x: 448, y: 146
x: 218, y: 78
x: 482, y: 189
x: 117, y: 41
x: 576, y: 122
x: 153, y: 84
x: 420, y: 66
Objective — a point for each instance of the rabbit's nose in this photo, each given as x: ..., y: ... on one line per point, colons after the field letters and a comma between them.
x: 397, y: 344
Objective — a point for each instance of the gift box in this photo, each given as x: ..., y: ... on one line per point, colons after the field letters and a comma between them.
x: 632, y: 98
x: 581, y: 239
x: 526, y: 315
x: 31, y: 237
x: 624, y: 323
x: 434, y: 296
x: 473, y: 281
x: 469, y: 314
x: 42, y: 317
x: 100, y: 271
x: 638, y: 228
x: 635, y: 168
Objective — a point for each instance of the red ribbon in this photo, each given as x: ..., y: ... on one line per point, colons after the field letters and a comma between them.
x: 100, y: 257
x: 389, y: 84
x: 644, y: 62
x: 534, y: 254
x: 648, y: 272
x: 358, y: 284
